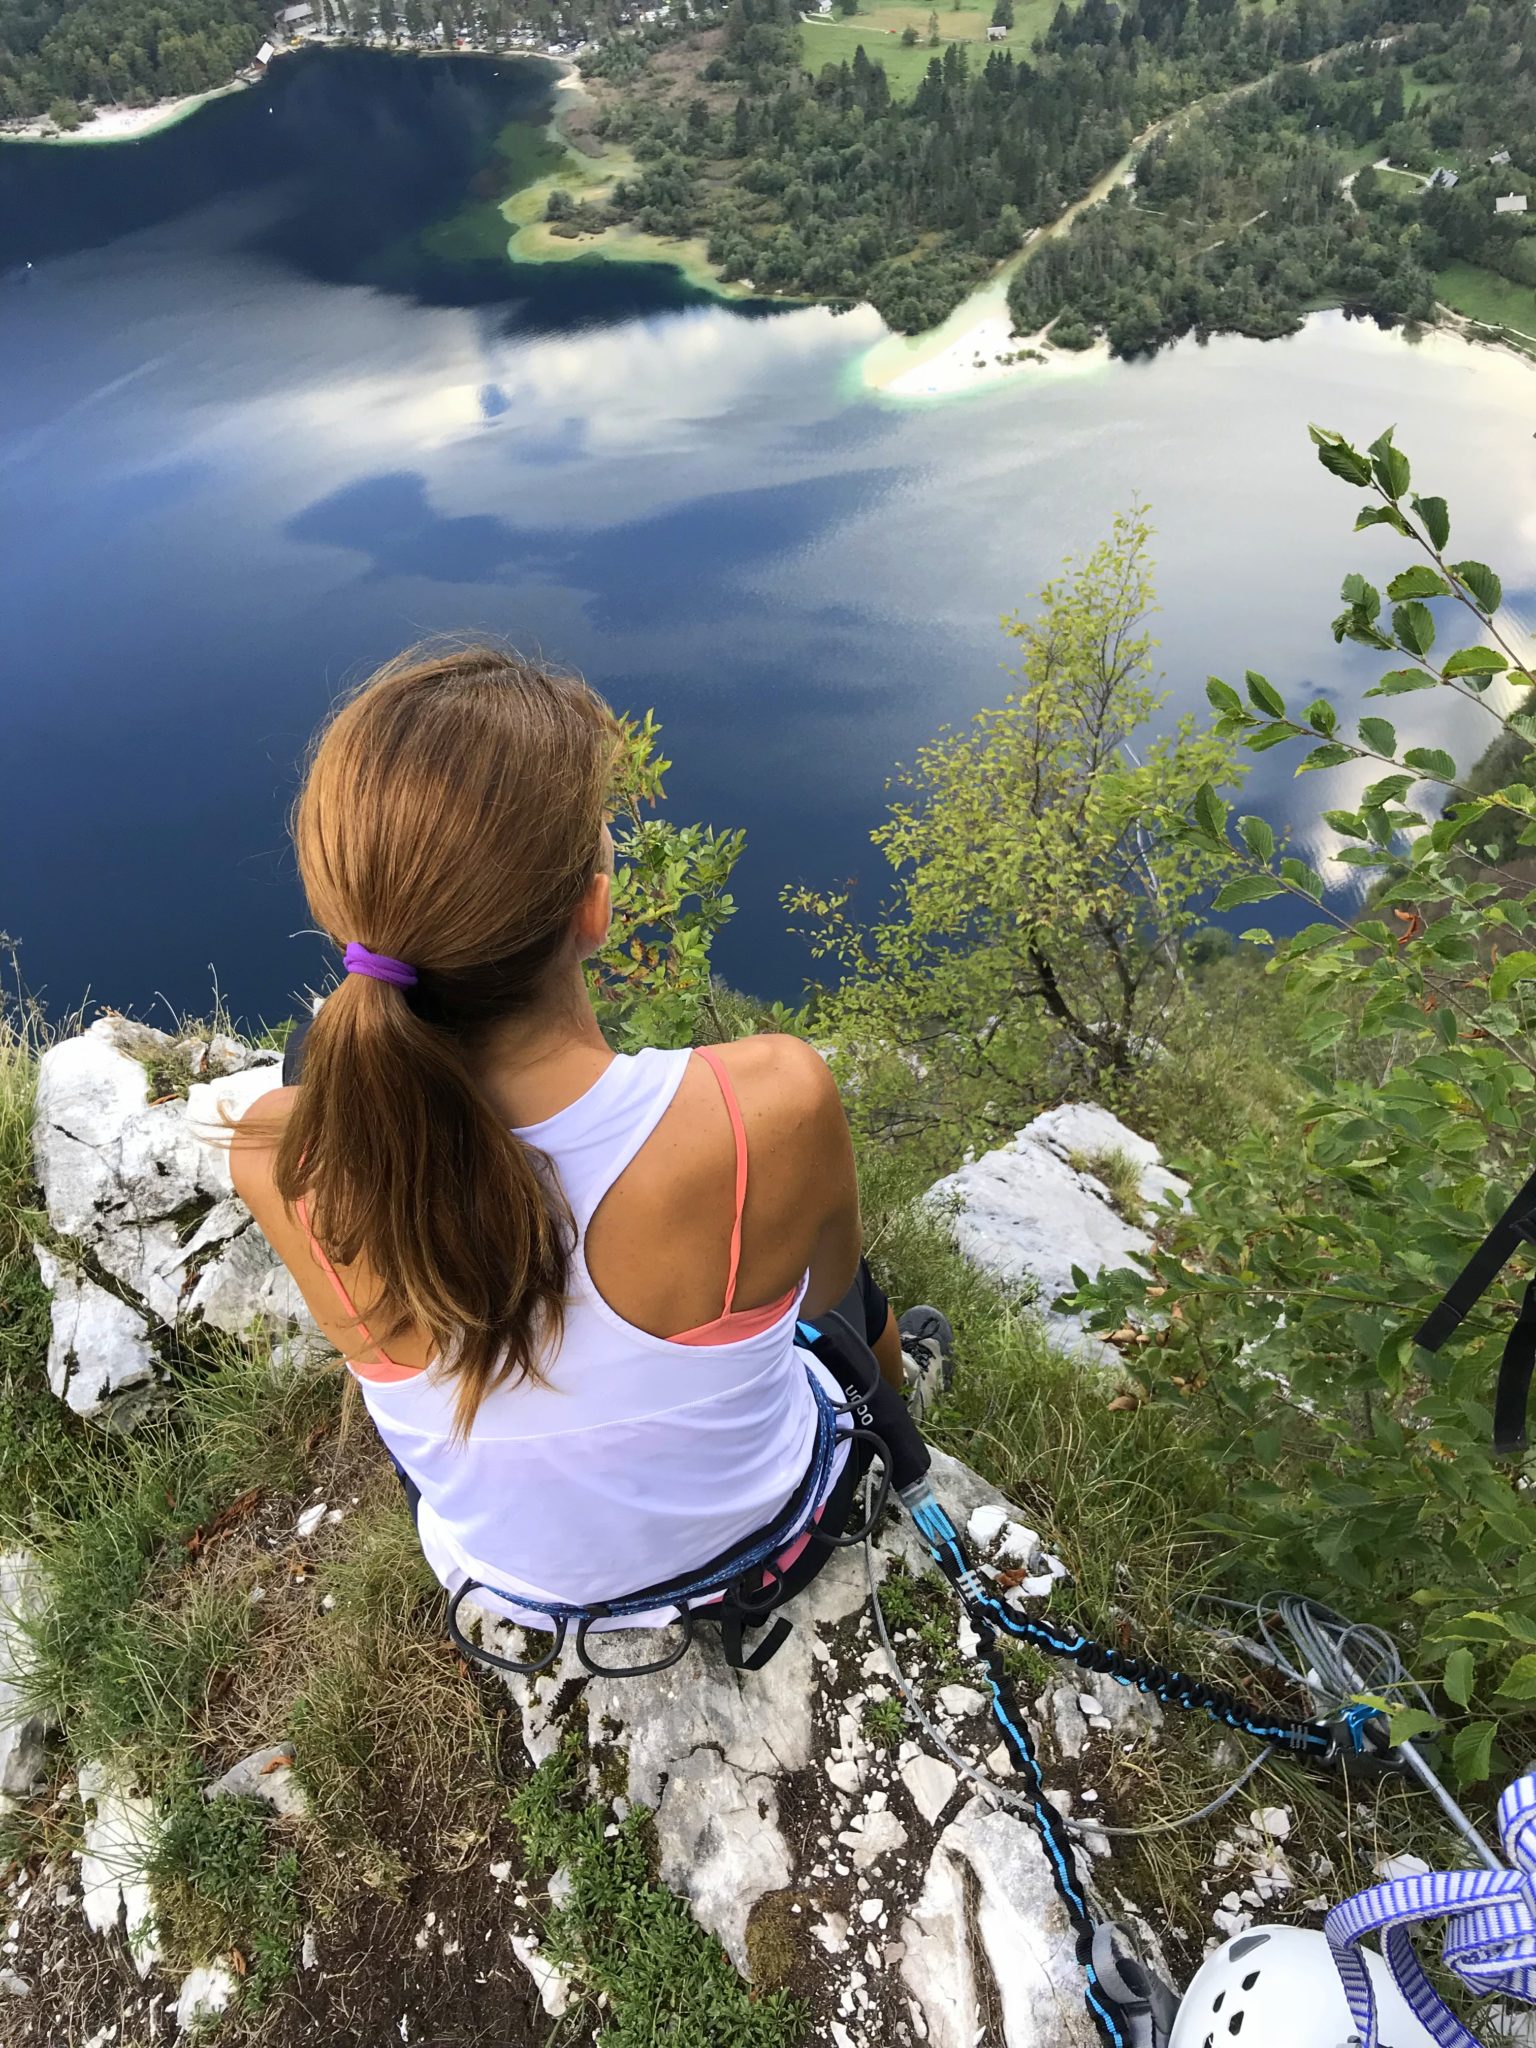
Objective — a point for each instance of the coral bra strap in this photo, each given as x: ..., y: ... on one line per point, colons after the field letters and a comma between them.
x: 383, y: 1367
x: 712, y: 1060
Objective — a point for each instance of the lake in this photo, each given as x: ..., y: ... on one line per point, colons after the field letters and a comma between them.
x: 262, y: 422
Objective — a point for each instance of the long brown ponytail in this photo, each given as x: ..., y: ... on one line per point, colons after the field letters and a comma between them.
x: 452, y: 818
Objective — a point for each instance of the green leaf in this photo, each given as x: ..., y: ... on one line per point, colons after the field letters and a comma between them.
x: 1269, y: 736
x: 1520, y: 1680
x: 1380, y: 737
x: 1210, y: 811
x: 1414, y: 626
x: 1336, y: 456
x: 1258, y: 836
x: 1514, y: 967
x: 1407, y: 1722
x: 1359, y: 594
x: 1300, y: 876
x: 1390, y: 466
x: 1399, y: 681
x: 1472, y: 1751
x: 1431, y: 761
x: 1460, y: 1670
x: 1322, y: 717
x: 1349, y: 823
x: 1257, y: 936
x: 1265, y: 696
x: 1383, y: 515
x: 1476, y: 661
x: 1387, y: 791
x: 1479, y: 579
x: 1436, y: 519
x: 1329, y: 755
x: 1419, y: 581
x: 1222, y: 697
x: 1247, y: 889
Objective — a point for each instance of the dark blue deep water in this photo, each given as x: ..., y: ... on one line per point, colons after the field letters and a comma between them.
x: 262, y: 422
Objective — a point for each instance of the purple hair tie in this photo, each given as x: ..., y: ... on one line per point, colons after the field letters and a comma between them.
x: 377, y: 966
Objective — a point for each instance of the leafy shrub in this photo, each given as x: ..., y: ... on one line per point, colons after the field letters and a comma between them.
x: 1363, y: 1465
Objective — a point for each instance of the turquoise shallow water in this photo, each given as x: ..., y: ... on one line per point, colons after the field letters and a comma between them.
x: 253, y: 438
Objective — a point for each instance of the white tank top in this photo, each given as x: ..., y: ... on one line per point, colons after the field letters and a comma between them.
x: 638, y: 1458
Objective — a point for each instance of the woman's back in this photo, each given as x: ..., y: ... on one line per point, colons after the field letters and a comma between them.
x: 527, y: 1247
x: 656, y: 1436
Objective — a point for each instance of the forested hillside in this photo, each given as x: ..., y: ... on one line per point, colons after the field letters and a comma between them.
x: 120, y: 50
x: 1241, y: 215
x: 1248, y: 218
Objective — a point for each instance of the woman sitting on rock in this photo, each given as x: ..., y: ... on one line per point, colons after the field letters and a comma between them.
x: 568, y: 1280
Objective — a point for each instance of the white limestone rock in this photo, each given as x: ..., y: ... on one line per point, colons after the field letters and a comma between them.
x: 721, y: 1845
x: 1025, y: 1214
x: 267, y: 1775
x: 144, y: 1188
x: 931, y: 1783
x: 1020, y: 1926
x: 204, y: 1994
x: 552, y: 1985
x: 246, y: 1290
x: 98, y: 1347
x: 22, y: 1731
x: 960, y: 1700
x: 872, y: 1835
x: 113, y: 1885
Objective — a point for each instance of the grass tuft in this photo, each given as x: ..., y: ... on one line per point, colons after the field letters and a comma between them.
x: 1120, y: 1174
x: 226, y: 1888
x: 629, y: 1945
x: 885, y: 1722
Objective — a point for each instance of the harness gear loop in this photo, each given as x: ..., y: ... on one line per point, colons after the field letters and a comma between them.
x: 880, y: 1490
x: 684, y: 1622
x: 475, y: 1654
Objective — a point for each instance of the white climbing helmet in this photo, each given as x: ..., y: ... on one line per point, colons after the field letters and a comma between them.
x: 1276, y: 1987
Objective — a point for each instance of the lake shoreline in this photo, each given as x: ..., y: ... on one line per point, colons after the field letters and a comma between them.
x: 112, y: 123
x: 974, y: 350
x: 590, y: 177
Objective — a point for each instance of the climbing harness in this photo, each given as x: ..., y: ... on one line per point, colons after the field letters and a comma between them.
x: 743, y: 1584
x: 1515, y: 1227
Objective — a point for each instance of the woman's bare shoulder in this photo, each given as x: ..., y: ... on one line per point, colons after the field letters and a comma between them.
x: 253, y: 1144
x: 780, y: 1068
x: 785, y: 1087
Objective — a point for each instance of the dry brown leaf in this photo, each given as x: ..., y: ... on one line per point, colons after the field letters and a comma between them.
x: 1122, y: 1402
x: 238, y: 1963
x: 237, y: 1511
x: 276, y: 1763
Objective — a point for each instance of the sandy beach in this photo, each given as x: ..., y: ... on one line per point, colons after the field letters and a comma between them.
x: 121, y: 124
x: 973, y: 350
